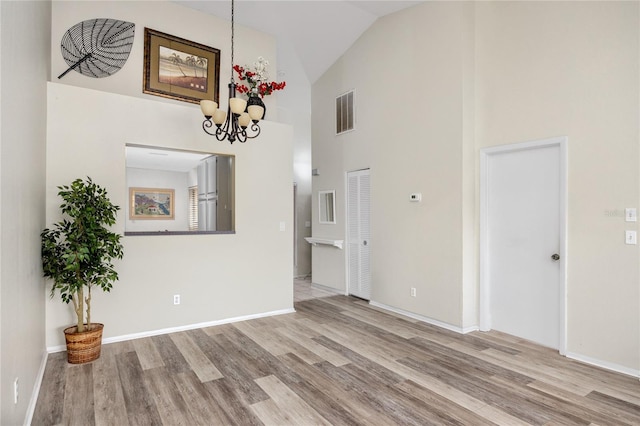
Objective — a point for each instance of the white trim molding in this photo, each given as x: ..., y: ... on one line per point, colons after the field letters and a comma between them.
x: 60, y: 348
x: 328, y: 289
x: 604, y: 364
x: 424, y: 319
x: 31, y: 408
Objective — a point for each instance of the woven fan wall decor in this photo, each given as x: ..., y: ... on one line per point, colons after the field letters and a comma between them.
x: 97, y: 47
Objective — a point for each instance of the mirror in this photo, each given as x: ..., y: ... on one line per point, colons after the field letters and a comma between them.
x: 327, y: 205
x: 201, y: 185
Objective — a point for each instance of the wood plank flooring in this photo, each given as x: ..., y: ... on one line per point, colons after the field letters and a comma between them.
x: 336, y: 361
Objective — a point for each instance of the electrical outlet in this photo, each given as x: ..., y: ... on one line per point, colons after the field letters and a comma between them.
x: 15, y: 391
x: 413, y: 292
x: 176, y: 299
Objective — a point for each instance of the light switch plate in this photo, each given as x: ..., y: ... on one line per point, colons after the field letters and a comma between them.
x: 631, y: 215
x: 415, y: 197
x: 630, y: 237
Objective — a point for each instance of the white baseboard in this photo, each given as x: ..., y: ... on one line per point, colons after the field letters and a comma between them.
x: 578, y: 357
x: 31, y: 408
x: 604, y: 364
x: 105, y: 341
x: 431, y: 321
x: 327, y: 289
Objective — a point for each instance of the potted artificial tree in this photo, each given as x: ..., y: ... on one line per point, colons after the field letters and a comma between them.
x: 77, y: 254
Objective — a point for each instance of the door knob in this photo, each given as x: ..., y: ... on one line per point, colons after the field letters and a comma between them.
x: 364, y: 242
x: 555, y: 256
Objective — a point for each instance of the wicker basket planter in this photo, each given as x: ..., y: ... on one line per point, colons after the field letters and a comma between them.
x: 83, y: 347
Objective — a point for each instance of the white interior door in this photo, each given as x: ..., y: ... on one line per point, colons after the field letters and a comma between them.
x: 358, y: 234
x: 522, y: 241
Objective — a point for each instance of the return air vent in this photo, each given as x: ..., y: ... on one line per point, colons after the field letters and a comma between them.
x: 345, y: 113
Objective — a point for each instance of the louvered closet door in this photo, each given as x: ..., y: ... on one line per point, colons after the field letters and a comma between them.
x: 358, y: 234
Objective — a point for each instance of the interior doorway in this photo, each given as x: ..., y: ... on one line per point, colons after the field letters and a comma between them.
x: 522, y: 240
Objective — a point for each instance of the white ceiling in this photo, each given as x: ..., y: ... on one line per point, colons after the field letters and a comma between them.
x: 319, y: 30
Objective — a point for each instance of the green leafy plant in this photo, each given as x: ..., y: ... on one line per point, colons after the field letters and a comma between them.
x: 77, y: 252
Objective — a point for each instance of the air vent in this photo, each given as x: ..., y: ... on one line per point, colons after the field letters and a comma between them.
x: 344, y: 113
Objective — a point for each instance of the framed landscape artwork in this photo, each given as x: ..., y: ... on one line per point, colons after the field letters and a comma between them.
x: 180, y: 69
x: 151, y: 203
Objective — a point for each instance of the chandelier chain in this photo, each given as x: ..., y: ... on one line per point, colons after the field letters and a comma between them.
x: 232, y: 36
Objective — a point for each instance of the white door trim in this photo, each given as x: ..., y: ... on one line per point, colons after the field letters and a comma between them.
x: 485, y: 153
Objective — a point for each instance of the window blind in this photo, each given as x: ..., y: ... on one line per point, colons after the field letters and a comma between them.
x: 193, y: 208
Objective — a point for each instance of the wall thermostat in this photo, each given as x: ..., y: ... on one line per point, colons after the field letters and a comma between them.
x: 415, y: 197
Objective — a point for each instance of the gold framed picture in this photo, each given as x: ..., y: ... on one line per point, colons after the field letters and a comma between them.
x: 180, y: 69
x: 151, y: 203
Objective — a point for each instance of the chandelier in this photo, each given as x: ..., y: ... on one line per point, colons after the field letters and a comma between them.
x: 232, y: 124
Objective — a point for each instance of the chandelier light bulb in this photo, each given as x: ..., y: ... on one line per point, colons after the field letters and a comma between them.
x: 255, y: 112
x: 219, y: 116
x: 208, y: 107
x: 244, y: 120
x: 238, y: 105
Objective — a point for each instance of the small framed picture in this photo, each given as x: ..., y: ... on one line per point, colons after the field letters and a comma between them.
x: 151, y: 203
x: 180, y: 69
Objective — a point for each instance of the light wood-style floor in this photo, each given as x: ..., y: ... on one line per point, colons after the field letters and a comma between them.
x: 304, y: 289
x: 335, y: 361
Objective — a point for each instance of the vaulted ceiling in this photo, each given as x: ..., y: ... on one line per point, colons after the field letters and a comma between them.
x: 319, y: 31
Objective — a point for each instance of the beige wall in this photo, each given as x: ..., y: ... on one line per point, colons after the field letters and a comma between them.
x: 167, y: 17
x: 437, y: 82
x: 290, y: 106
x: 209, y: 272
x: 24, y: 48
x: 294, y: 108
x: 409, y: 134
x: 217, y: 276
x: 579, y: 77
